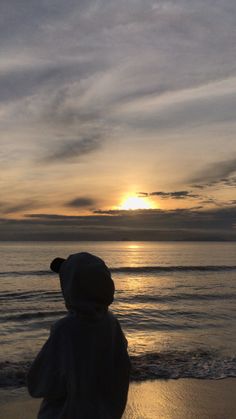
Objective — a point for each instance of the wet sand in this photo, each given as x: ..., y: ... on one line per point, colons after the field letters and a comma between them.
x: 166, y: 399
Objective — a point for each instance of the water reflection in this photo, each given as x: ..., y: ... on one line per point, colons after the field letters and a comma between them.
x: 182, y: 399
x: 133, y: 246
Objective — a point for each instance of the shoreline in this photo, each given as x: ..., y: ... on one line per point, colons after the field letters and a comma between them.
x: 166, y: 399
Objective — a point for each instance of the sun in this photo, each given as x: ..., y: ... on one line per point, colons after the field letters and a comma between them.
x: 135, y: 203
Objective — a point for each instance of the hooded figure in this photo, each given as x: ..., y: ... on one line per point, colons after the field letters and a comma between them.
x: 82, y: 371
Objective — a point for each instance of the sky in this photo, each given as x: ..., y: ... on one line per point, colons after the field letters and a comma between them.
x: 117, y: 120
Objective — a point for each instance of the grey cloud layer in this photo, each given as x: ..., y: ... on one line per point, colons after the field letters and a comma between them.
x: 219, y: 172
x: 92, y: 50
x: 72, y: 149
x: 192, y: 224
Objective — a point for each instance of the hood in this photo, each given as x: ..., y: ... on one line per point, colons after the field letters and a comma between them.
x: 86, y: 283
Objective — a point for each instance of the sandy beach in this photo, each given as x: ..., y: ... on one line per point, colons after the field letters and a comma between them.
x: 166, y: 399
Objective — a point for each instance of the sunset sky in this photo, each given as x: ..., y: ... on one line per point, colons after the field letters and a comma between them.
x: 118, y: 119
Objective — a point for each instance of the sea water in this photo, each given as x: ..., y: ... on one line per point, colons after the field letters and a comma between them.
x: 176, y: 302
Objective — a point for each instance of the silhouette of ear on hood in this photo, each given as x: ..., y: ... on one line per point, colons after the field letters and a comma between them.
x: 84, y: 278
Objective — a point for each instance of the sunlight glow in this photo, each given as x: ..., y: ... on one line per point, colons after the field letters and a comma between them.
x: 135, y: 202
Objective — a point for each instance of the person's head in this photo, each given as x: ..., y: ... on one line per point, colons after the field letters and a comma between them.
x: 84, y: 278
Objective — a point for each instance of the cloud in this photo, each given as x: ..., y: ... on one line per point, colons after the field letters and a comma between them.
x: 96, y: 39
x: 119, y: 212
x: 7, y: 208
x: 231, y: 181
x: 175, y: 195
x: 185, y: 224
x: 81, y: 202
x: 151, y: 82
x: 204, y: 105
x: 73, y: 149
x: 218, y: 172
x: 171, y: 195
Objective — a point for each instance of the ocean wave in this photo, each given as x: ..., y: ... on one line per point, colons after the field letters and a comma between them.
x: 121, y: 298
x: 136, y: 270
x: 27, y: 273
x: 147, y: 319
x: 32, y: 316
x: 167, y: 365
x: 182, y: 364
x: 29, y: 295
x: 183, y: 296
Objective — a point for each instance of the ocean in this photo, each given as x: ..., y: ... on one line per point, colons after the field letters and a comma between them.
x: 176, y: 302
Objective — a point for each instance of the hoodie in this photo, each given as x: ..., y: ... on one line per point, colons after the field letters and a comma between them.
x: 82, y: 371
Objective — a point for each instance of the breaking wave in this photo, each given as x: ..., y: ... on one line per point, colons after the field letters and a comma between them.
x: 163, y: 365
x: 136, y: 270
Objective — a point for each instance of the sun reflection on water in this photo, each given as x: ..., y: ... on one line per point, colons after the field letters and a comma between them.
x: 133, y: 246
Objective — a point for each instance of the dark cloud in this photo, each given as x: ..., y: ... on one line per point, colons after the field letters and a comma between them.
x: 120, y: 212
x: 198, y: 186
x: 73, y: 149
x: 182, y: 224
x: 81, y: 202
x: 175, y: 195
x: 207, y: 222
x: 172, y: 195
x: 215, y: 173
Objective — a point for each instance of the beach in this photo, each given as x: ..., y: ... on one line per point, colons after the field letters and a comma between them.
x: 166, y: 399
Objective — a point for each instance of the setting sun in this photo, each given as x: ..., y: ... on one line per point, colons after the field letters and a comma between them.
x: 135, y: 202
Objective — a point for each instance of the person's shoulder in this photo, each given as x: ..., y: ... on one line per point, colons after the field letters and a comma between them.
x: 61, y: 325
x: 117, y: 328
x: 111, y: 316
x: 113, y: 319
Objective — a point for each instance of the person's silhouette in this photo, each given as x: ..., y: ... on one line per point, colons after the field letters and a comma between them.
x: 82, y: 371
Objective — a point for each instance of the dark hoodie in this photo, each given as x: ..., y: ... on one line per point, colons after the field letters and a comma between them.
x: 82, y: 371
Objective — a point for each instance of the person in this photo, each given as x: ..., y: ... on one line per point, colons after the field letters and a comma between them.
x: 82, y: 371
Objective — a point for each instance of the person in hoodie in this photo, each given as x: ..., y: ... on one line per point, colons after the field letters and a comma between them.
x: 82, y: 371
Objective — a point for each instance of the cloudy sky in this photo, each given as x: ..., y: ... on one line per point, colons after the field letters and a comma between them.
x: 103, y: 101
